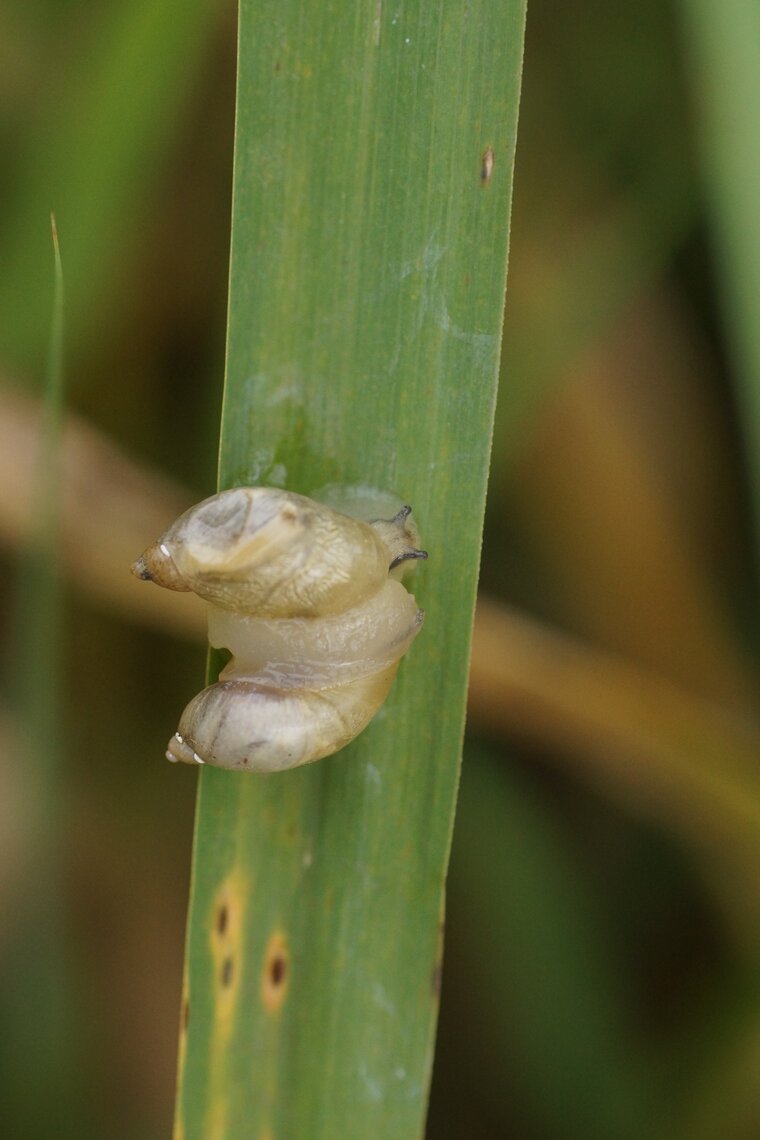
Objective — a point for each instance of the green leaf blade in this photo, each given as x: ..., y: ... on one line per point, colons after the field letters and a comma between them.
x: 367, y: 287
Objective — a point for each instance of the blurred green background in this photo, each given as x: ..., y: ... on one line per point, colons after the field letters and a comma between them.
x: 602, y: 973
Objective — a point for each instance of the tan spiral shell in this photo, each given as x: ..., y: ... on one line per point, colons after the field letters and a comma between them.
x: 307, y: 600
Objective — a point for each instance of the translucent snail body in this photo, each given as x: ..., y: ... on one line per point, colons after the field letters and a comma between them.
x: 308, y: 603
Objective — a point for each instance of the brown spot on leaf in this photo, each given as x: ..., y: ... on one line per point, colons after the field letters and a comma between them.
x: 486, y: 165
x: 276, y: 972
x: 228, y: 968
x: 225, y: 932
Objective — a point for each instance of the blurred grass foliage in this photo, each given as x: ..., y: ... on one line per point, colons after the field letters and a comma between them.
x: 41, y: 1004
x: 604, y: 941
x: 95, y: 148
x: 724, y: 64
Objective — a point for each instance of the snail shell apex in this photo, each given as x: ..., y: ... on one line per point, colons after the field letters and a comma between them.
x: 308, y: 602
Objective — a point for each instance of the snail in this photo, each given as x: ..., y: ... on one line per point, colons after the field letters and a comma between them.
x: 309, y: 603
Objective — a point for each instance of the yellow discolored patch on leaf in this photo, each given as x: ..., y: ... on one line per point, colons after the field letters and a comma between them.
x: 217, y: 1120
x: 184, y: 1021
x: 225, y: 926
x: 225, y: 923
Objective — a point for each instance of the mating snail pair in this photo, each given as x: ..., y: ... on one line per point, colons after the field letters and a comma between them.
x: 309, y: 603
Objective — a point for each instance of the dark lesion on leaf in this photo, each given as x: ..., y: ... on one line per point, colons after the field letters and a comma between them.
x: 228, y: 968
x: 277, y: 970
x: 486, y: 165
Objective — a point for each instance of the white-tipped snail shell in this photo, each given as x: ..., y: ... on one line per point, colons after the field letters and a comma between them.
x: 308, y: 602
